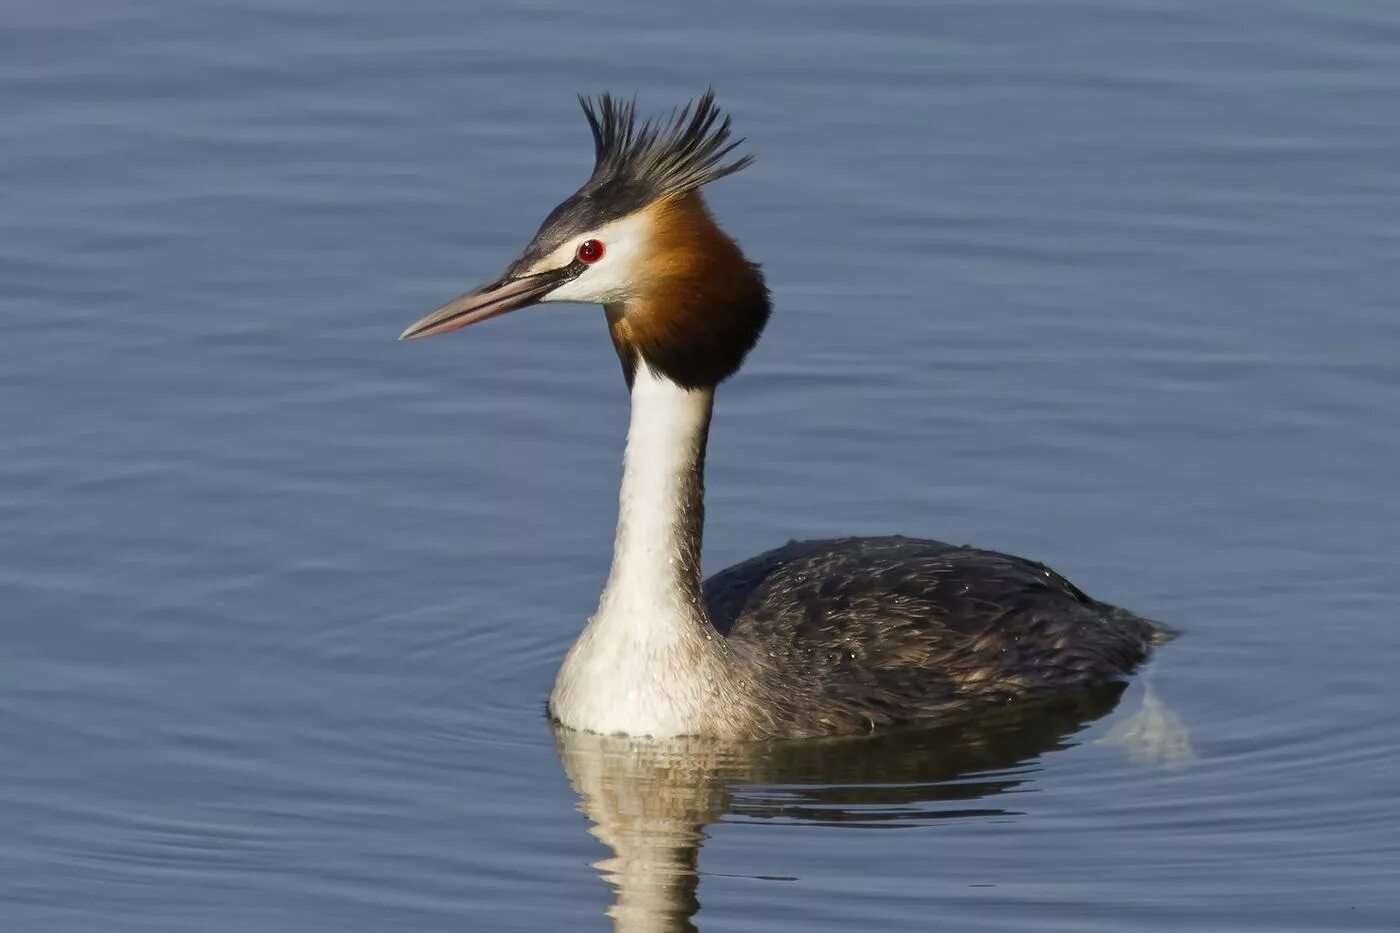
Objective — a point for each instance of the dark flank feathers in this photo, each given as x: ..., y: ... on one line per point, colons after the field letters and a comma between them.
x: 850, y: 634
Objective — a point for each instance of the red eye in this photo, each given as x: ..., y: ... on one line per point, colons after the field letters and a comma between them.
x: 590, y: 251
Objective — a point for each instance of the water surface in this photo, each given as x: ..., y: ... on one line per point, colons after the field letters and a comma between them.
x: 1108, y: 285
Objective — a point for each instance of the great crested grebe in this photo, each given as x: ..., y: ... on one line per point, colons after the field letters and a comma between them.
x: 812, y: 638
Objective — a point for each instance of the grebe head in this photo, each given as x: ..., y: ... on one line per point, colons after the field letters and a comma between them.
x: 638, y: 239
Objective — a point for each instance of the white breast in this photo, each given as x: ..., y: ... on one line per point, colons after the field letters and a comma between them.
x: 649, y: 663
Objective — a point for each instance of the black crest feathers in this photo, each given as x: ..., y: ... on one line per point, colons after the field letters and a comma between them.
x: 654, y: 158
x: 636, y: 163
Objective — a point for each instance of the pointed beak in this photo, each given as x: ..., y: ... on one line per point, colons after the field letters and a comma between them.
x: 505, y: 294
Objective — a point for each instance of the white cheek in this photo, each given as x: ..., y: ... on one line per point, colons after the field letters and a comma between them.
x: 610, y: 278
x: 577, y: 290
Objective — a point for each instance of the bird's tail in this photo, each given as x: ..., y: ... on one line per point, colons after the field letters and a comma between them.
x: 1154, y: 633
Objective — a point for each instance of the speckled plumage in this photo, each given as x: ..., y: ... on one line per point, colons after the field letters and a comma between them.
x: 849, y: 634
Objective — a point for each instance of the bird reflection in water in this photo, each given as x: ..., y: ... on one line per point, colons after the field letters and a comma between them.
x: 650, y: 801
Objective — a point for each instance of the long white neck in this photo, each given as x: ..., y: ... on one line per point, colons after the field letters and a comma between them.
x: 649, y: 662
x: 661, y: 509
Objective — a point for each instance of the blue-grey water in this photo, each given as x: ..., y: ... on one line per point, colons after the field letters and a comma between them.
x: 1112, y: 285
